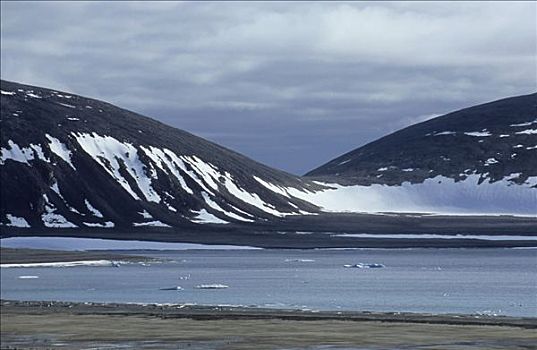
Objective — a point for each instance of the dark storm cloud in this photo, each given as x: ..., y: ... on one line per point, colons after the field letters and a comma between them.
x: 288, y: 84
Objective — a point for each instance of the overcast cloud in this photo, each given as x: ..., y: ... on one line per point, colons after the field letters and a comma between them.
x: 291, y: 85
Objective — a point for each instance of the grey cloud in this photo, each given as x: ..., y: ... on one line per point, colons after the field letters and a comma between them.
x: 288, y: 84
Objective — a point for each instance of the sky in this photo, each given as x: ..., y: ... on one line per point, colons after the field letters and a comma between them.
x: 289, y: 84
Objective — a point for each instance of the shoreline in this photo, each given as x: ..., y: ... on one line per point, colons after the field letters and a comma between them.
x: 68, y: 326
x: 46, y: 256
x: 230, y: 312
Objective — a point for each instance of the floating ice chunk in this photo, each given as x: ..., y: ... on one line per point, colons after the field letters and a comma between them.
x: 30, y: 94
x: 382, y: 169
x: 172, y: 288
x: 478, y: 133
x: 364, y: 266
x: 299, y: 260
x: 28, y: 277
x: 9, y: 93
x: 407, y: 169
x: 204, y: 217
x: 211, y: 286
x: 16, y: 221
x: 60, y: 150
x: 504, y: 135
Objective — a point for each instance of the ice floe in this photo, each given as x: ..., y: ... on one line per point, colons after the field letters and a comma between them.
x: 364, y: 266
x: 212, y: 286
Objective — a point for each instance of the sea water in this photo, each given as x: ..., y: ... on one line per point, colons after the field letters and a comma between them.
x: 468, y: 281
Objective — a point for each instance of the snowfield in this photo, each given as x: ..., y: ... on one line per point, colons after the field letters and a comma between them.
x: 439, y: 195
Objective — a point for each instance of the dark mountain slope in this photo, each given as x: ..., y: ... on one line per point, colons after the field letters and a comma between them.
x: 72, y: 161
x: 494, y: 140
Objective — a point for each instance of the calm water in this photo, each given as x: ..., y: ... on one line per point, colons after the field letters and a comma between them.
x: 490, y: 281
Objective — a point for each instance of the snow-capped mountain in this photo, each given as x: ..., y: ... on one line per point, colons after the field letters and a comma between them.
x: 85, y: 167
x: 479, y: 160
x: 68, y: 161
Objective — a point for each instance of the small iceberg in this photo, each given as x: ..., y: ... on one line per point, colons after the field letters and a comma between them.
x: 364, y: 266
x: 28, y: 277
x: 211, y: 286
x: 299, y: 260
x: 172, y: 288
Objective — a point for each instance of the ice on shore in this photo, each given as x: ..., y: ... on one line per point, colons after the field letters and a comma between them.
x: 94, y: 263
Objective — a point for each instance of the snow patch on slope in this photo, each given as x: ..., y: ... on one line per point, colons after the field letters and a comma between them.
x: 204, y: 217
x: 109, y: 152
x: 155, y: 223
x: 16, y: 221
x: 272, y: 187
x: 436, y: 195
x: 478, y: 133
x: 168, y: 162
x: 215, y: 206
x: 52, y: 219
x: 60, y: 150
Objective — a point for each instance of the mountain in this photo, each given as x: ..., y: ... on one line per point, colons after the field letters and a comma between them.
x: 481, y: 159
x: 75, y: 166
x: 69, y: 161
